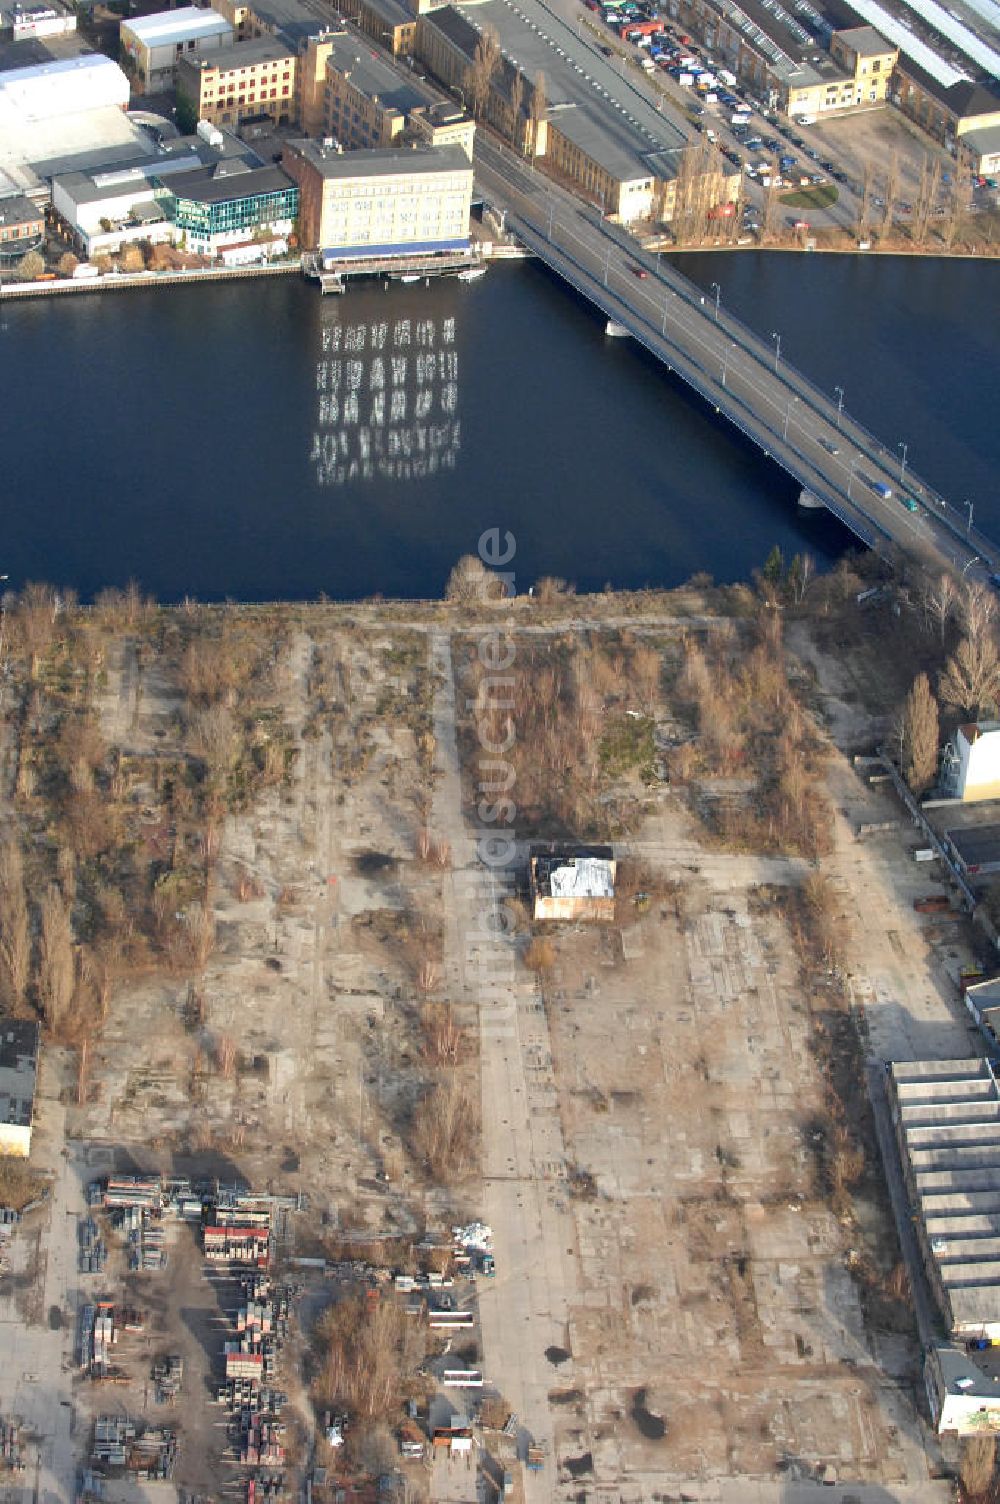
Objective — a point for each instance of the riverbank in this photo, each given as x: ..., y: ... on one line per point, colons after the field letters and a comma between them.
x: 125, y: 281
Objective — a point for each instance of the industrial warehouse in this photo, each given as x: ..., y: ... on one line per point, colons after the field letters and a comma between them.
x: 946, y: 1115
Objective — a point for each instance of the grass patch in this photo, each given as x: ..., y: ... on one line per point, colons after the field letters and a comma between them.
x: 19, y: 1184
x: 820, y: 197
x: 626, y: 744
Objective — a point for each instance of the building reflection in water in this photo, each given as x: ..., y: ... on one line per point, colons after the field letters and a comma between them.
x: 386, y: 400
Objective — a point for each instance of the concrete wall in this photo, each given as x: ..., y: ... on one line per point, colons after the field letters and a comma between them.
x: 599, y: 910
x: 15, y: 1140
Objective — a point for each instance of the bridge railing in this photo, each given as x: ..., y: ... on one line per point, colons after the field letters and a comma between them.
x: 947, y: 514
x: 853, y: 515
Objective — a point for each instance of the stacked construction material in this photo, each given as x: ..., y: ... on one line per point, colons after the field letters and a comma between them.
x: 168, y: 1374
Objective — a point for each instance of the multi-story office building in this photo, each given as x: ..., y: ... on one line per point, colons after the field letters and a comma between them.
x: 444, y: 124
x: 381, y: 203
x: 793, y: 60
x: 387, y: 22
x: 236, y: 83
x: 231, y: 205
x: 573, y: 112
x: 153, y: 45
x: 22, y: 228
x: 366, y: 100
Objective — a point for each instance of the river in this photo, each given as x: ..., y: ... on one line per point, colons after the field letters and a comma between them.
x: 256, y: 441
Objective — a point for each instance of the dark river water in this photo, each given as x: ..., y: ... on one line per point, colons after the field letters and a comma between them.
x: 256, y: 441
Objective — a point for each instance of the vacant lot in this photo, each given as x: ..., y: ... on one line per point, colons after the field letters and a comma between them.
x: 696, y: 1275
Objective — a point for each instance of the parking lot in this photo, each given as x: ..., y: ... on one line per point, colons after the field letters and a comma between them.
x: 834, y: 155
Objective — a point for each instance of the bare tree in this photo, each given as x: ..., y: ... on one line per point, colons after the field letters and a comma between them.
x: 959, y: 202
x: 800, y: 574
x: 443, y: 1036
x: 970, y: 681
x: 517, y: 108
x: 772, y: 202
x: 470, y: 581
x: 33, y: 619
x: 15, y: 935
x: 867, y: 194
x: 538, y: 110
x: 926, y: 200
x: 444, y: 1129
x: 826, y: 922
x: 978, y: 607
x: 920, y: 736
x: 891, y: 187
x: 55, y: 977
x: 213, y: 739
x: 977, y: 1464
x: 939, y: 602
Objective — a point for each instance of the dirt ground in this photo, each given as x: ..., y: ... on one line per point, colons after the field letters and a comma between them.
x: 678, y: 1307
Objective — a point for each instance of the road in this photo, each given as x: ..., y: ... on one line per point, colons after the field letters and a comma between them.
x: 526, y: 1308
x: 744, y: 377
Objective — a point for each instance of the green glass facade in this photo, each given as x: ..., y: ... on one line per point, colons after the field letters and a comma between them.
x: 238, y: 213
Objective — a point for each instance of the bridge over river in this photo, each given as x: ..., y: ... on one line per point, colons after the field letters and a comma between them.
x: 742, y: 375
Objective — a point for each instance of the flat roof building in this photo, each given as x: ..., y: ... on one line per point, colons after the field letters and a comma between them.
x: 53, y: 19
x: 983, y: 147
x: 573, y: 884
x: 976, y: 848
x: 367, y: 100
x: 62, y: 113
x: 153, y: 45
x: 230, y: 204
x: 18, y: 1072
x: 797, y: 62
x: 387, y: 22
x: 596, y: 129
x: 22, y: 227
x: 971, y: 763
x: 378, y: 204
x: 946, y: 1115
x: 64, y: 86
x: 235, y: 83
x: 291, y: 20
x: 963, y: 1399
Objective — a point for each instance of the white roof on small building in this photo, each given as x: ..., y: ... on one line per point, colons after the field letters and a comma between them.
x: 167, y: 27
x: 584, y: 877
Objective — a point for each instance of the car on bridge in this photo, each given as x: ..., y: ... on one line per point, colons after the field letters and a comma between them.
x: 830, y: 448
x: 909, y: 503
x: 639, y: 271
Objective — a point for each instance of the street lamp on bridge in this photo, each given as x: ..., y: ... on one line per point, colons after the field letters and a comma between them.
x: 718, y: 294
x: 788, y: 414
x: 777, y: 347
x: 968, y: 529
x: 839, y: 390
x: 902, y: 468
x: 850, y: 478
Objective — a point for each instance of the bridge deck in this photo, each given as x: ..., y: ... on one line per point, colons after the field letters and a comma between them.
x: 742, y: 376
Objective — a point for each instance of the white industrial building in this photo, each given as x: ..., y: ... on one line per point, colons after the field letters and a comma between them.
x: 573, y: 884
x: 155, y: 44
x: 50, y: 20
x: 64, y: 86
x: 971, y: 768
x: 109, y: 210
x: 18, y: 1068
x: 59, y: 115
x: 963, y: 1399
x: 946, y: 1115
x: 123, y: 203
